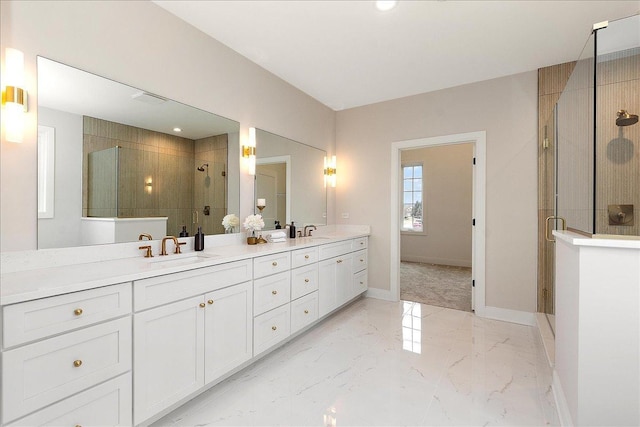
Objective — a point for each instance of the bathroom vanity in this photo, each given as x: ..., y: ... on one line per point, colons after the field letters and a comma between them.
x: 124, y: 342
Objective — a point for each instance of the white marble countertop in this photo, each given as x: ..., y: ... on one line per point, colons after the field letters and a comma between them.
x: 601, y: 241
x: 25, y: 285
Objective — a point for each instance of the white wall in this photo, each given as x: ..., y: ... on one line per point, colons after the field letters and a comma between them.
x: 138, y: 43
x: 63, y: 230
x: 447, y: 209
x: 506, y: 108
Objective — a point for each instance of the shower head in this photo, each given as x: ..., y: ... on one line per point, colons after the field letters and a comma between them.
x: 204, y: 165
x: 626, y: 119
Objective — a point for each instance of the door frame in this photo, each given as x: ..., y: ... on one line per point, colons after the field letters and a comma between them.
x: 478, y: 261
x: 269, y: 161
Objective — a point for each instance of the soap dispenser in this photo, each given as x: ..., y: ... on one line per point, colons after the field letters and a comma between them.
x: 198, y: 243
x: 292, y: 231
x: 278, y: 226
x: 184, y: 232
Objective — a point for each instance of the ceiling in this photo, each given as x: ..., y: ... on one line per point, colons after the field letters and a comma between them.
x: 347, y: 53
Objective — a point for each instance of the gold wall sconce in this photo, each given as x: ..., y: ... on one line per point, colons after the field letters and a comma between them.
x: 330, y: 171
x: 148, y: 185
x: 249, y: 152
x: 14, y: 97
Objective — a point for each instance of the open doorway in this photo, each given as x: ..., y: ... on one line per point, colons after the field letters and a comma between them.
x: 478, y: 141
x: 436, y: 225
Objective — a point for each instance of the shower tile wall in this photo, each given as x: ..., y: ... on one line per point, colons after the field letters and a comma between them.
x: 551, y: 83
x: 164, y: 160
x: 617, y: 148
x: 210, y: 186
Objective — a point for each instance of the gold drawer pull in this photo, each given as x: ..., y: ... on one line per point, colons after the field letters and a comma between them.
x: 339, y: 261
x: 77, y: 311
x: 77, y: 363
x: 274, y: 292
x: 210, y: 301
x: 362, y: 243
x: 78, y: 425
x: 306, y: 312
x: 273, y: 328
x: 306, y: 257
x: 306, y: 280
x: 274, y: 263
x: 361, y: 260
x: 362, y: 283
x: 202, y: 305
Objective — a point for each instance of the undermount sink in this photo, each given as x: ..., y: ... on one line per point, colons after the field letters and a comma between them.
x: 181, y: 259
x: 320, y: 238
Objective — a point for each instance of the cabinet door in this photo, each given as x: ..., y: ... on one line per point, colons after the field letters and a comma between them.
x: 334, y: 287
x: 359, y: 283
x: 168, y: 355
x: 228, y: 326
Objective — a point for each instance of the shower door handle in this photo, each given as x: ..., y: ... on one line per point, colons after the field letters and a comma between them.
x: 546, y: 227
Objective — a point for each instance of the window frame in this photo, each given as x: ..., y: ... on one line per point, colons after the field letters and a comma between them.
x: 411, y: 231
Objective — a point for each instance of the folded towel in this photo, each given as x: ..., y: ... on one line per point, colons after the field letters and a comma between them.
x: 278, y: 240
x: 277, y: 235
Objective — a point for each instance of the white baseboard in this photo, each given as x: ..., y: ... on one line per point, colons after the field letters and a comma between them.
x: 561, y: 402
x: 439, y: 261
x: 383, y: 294
x: 507, y: 315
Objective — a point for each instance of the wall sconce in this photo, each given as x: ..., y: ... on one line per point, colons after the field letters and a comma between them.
x: 148, y: 185
x: 14, y: 97
x: 330, y: 171
x: 249, y: 152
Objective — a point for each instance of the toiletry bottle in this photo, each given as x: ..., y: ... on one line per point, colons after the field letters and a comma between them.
x: 198, y: 243
x: 292, y: 231
x: 278, y: 226
x: 184, y: 232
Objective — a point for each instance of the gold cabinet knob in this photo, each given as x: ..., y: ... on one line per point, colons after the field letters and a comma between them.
x: 273, y: 328
x: 77, y: 311
x: 306, y: 280
x: 77, y: 363
x: 202, y: 304
x: 306, y: 257
x: 339, y: 261
x: 306, y: 312
x: 78, y: 425
x: 361, y: 260
x: 274, y: 292
x: 210, y: 301
x: 274, y: 263
x: 361, y: 243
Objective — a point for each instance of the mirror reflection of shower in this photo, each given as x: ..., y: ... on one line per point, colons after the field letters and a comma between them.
x: 626, y: 119
x: 202, y: 168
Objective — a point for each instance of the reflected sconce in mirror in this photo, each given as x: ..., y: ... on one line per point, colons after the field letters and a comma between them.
x: 249, y: 152
x: 330, y: 170
x: 14, y: 97
x: 148, y: 185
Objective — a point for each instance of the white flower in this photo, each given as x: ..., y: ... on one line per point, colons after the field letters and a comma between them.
x: 230, y: 221
x: 254, y: 223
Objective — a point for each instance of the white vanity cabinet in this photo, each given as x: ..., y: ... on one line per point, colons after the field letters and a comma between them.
x: 182, y: 346
x: 63, y: 353
x: 337, y: 283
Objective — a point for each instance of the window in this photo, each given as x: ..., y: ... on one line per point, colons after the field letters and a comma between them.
x: 412, y: 198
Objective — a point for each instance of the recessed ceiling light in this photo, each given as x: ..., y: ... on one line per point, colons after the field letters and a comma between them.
x: 385, y: 5
x: 177, y: 130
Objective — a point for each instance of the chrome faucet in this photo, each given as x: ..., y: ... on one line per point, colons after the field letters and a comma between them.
x: 305, y: 230
x: 164, y: 245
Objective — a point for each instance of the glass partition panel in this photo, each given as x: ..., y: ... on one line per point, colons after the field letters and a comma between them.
x: 574, y: 148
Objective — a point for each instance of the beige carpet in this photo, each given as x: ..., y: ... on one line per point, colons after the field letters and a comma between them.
x: 439, y: 285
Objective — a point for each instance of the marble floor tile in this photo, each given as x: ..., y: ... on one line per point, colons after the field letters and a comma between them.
x: 380, y: 363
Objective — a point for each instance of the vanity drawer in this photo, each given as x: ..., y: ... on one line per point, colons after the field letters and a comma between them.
x: 360, y: 243
x: 304, y: 256
x: 359, y: 260
x: 271, y: 264
x: 271, y: 292
x: 44, y: 372
x: 304, y: 280
x: 331, y: 250
x: 108, y: 404
x: 360, y: 283
x: 169, y: 288
x: 304, y: 311
x: 32, y: 320
x: 271, y: 328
